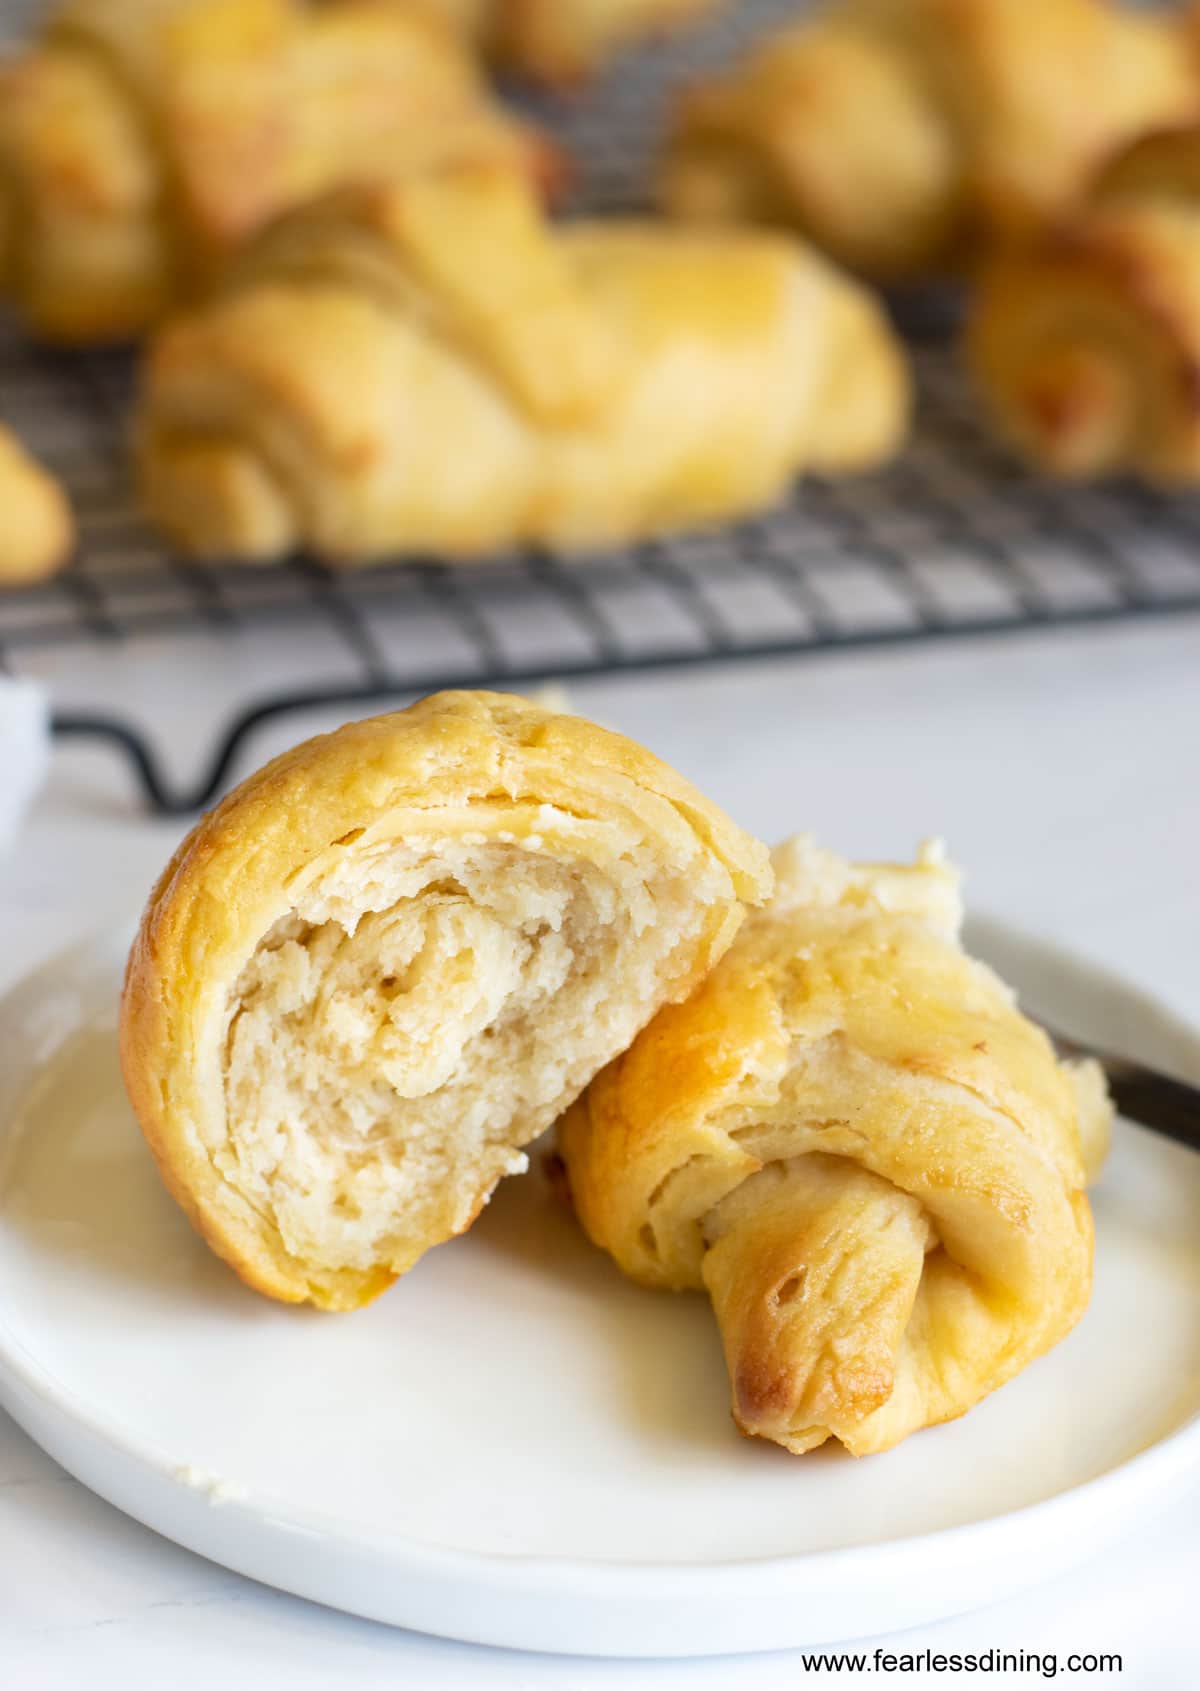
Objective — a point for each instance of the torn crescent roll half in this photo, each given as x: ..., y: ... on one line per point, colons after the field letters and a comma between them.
x: 37, y: 529
x: 391, y: 958
x: 854, y: 1141
x: 431, y: 365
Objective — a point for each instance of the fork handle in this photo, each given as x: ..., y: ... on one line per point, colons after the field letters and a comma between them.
x: 1142, y: 1094
x: 1155, y: 1100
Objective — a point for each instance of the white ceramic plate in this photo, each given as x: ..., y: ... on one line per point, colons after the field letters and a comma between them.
x: 517, y: 1447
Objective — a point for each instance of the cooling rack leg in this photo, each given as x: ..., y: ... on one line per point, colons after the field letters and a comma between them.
x: 160, y: 794
x: 133, y: 747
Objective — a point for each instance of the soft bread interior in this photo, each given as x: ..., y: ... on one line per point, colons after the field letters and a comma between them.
x: 429, y: 1005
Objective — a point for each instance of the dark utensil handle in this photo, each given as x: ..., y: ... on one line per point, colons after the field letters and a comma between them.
x: 1168, y: 1106
x: 1155, y: 1100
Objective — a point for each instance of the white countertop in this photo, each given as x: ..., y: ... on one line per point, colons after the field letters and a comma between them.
x: 1063, y: 771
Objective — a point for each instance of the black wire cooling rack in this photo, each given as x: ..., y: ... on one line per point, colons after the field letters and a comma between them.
x: 952, y: 541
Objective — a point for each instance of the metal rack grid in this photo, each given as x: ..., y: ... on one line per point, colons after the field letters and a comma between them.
x: 953, y: 540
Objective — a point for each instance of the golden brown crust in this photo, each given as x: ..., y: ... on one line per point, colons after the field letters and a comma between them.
x: 141, y: 141
x: 241, y: 869
x: 589, y: 384
x: 902, y: 134
x: 1161, y: 165
x: 37, y: 529
x: 853, y: 1140
x: 1086, y: 344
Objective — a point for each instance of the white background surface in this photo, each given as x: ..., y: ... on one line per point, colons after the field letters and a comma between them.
x: 1064, y: 771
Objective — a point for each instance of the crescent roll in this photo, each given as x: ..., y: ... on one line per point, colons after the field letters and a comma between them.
x: 1086, y: 344
x: 37, y: 530
x: 431, y: 365
x: 142, y: 141
x: 391, y: 958
x: 900, y: 134
x: 851, y: 1138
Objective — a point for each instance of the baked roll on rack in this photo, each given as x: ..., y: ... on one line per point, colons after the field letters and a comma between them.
x: 851, y: 1138
x: 900, y: 135
x: 37, y: 529
x: 431, y: 365
x: 143, y: 141
x: 1085, y: 344
x: 391, y: 958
